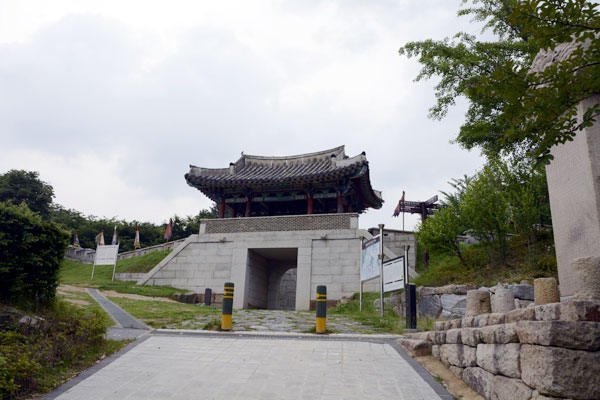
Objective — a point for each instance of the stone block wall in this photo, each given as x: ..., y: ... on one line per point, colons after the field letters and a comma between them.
x: 281, y: 223
x: 129, y: 276
x: 203, y: 261
x: 550, y: 351
x: 395, y: 241
x: 80, y: 254
x: 258, y: 272
x: 286, y: 298
x: 451, y: 301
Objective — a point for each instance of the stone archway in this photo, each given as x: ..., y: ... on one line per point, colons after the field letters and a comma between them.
x: 272, y: 278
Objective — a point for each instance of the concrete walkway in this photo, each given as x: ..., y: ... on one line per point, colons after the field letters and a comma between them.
x: 237, y: 366
x: 178, y: 364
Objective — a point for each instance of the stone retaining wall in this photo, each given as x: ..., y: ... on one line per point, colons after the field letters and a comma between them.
x: 150, y: 249
x: 87, y: 256
x: 549, y: 351
x: 80, y: 254
x: 451, y: 301
x: 129, y: 276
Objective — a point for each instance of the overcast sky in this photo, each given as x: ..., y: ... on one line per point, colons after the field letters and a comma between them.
x: 112, y: 100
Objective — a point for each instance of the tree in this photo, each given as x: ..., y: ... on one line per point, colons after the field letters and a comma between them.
x: 31, y: 251
x: 17, y: 186
x: 442, y: 231
x: 87, y: 227
x: 512, y: 108
x: 487, y: 211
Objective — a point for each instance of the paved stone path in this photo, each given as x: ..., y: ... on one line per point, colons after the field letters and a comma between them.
x: 127, y: 327
x: 283, y: 321
x: 233, y: 366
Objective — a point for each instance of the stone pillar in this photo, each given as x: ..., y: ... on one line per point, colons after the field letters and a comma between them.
x: 222, y: 208
x: 545, y: 291
x: 503, y: 301
x: 587, y: 272
x: 574, y: 186
x: 478, y: 302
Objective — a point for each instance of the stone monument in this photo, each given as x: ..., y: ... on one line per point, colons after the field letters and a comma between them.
x: 574, y: 186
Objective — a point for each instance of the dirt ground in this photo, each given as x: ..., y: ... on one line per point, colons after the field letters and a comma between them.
x: 454, y: 384
x: 112, y: 293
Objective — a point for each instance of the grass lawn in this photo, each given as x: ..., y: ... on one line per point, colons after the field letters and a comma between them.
x: 521, y: 263
x: 142, y: 263
x: 389, y: 323
x: 162, y: 314
x: 84, y: 301
x: 79, y: 274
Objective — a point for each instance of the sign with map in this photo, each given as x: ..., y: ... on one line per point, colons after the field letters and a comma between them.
x: 370, y: 262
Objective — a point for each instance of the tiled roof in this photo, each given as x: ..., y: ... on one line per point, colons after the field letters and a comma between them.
x: 251, y: 170
x: 327, y: 165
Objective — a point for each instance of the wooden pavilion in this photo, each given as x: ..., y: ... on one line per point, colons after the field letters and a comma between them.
x: 324, y: 182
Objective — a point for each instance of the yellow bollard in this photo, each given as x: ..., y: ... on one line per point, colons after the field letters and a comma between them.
x: 321, y: 309
x: 227, y: 307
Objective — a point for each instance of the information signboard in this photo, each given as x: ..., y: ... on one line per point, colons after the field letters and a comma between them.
x: 370, y: 261
x: 393, y: 275
x: 106, y: 255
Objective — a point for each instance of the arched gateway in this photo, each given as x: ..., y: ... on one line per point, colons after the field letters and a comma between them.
x: 286, y: 225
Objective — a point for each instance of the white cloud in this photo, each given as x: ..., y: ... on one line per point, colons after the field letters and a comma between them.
x: 112, y: 100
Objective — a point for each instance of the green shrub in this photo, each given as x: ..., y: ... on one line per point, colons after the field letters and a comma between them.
x: 35, y: 358
x: 30, y: 254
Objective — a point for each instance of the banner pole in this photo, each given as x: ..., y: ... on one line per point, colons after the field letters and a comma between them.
x: 115, y: 265
x: 360, y: 298
x: 381, y: 305
x: 362, y: 241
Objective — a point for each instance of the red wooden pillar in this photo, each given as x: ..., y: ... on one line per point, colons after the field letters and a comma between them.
x: 248, y: 205
x: 340, y: 203
x: 310, y: 202
x: 234, y: 212
x: 222, y: 208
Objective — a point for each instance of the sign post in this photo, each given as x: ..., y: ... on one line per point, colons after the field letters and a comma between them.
x: 424, y: 208
x: 362, y: 241
x: 106, y: 255
x: 381, y: 305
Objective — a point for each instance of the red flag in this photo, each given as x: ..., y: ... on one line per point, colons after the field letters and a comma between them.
x: 399, y: 206
x: 169, y: 230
